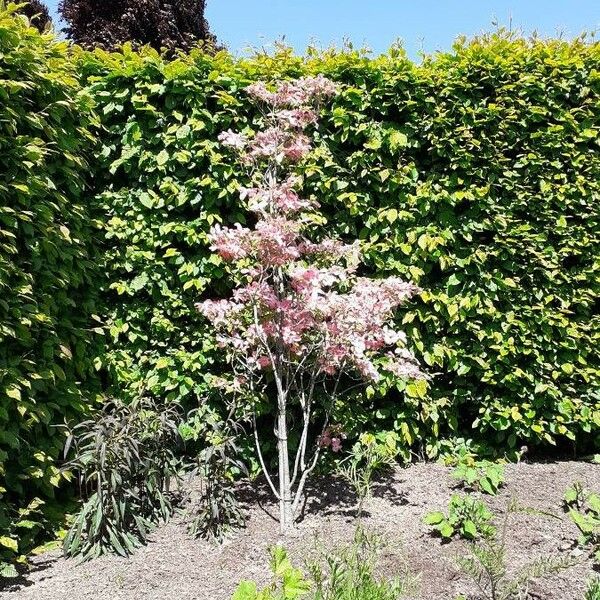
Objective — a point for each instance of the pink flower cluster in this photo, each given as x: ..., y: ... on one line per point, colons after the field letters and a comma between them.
x: 298, y: 118
x: 279, y: 197
x: 291, y: 112
x: 231, y: 244
x: 358, y: 325
x: 303, y: 91
x: 232, y: 139
x: 332, y: 438
x: 350, y: 329
x: 273, y: 242
x: 276, y: 240
x: 303, y: 303
x: 279, y: 144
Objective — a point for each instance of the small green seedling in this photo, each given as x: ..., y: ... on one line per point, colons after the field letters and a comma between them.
x: 467, y: 517
x: 575, y: 496
x: 488, y: 563
x: 481, y: 475
x: 593, y: 589
x: 371, y: 454
x: 584, y: 510
x: 289, y: 583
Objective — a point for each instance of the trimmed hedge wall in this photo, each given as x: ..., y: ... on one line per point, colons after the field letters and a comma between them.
x: 46, y: 271
x: 475, y: 174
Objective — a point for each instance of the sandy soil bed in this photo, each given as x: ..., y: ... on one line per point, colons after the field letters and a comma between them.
x: 174, y: 566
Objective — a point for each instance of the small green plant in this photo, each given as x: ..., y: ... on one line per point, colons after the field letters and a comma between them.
x: 467, y: 517
x: 125, y: 461
x: 481, y: 475
x: 593, y: 589
x: 218, y: 463
x: 487, y: 564
x: 288, y: 583
x: 583, y: 507
x: 348, y: 574
x: 575, y: 496
x: 369, y: 455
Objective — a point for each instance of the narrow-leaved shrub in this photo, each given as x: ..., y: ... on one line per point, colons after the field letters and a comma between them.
x: 126, y: 463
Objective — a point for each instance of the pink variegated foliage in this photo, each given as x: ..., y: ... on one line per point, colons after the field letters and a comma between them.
x: 303, y: 299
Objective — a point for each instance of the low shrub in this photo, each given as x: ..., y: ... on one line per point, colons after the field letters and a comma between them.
x: 370, y: 454
x: 126, y: 466
x: 351, y: 573
x: 289, y: 583
x: 218, y: 465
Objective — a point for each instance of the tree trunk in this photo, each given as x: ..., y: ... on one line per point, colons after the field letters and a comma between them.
x: 286, y: 517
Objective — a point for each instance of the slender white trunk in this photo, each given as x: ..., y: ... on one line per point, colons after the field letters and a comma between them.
x: 286, y: 516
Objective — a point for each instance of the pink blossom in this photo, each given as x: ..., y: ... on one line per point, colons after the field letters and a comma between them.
x: 260, y: 92
x: 293, y: 93
x: 296, y: 147
x: 232, y: 139
x: 303, y: 278
x: 280, y: 197
x: 367, y: 369
x: 297, y: 118
x: 256, y: 292
x: 404, y: 368
x: 296, y: 322
x: 263, y: 362
x: 312, y: 284
x: 231, y: 244
x: 276, y: 143
x: 391, y: 337
x: 318, y: 86
x: 268, y: 143
x: 276, y: 241
x: 219, y: 312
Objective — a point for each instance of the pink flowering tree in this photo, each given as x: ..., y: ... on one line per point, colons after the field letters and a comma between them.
x: 302, y: 326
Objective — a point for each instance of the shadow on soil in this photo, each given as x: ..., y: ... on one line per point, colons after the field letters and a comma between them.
x: 323, y: 495
x: 18, y: 583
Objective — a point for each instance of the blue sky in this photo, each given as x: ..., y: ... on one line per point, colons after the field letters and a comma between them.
x: 422, y: 25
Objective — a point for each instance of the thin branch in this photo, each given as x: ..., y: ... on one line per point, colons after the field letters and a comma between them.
x: 303, y: 439
x: 261, y: 459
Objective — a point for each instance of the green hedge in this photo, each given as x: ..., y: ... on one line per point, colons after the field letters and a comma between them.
x: 46, y: 339
x: 475, y: 174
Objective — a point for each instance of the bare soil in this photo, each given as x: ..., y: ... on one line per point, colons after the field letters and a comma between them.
x: 175, y: 566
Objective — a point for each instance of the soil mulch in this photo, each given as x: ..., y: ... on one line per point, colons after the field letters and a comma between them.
x: 175, y: 566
